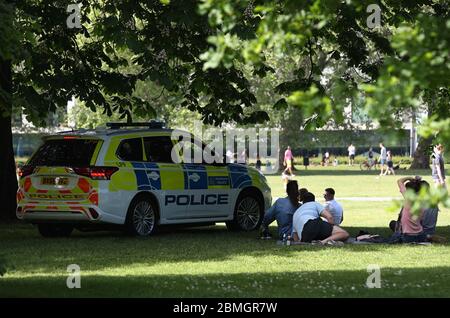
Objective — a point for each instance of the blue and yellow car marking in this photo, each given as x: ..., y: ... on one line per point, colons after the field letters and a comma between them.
x: 239, y: 176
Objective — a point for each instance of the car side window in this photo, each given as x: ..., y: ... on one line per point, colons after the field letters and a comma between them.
x: 130, y: 150
x: 158, y: 149
x: 192, y: 151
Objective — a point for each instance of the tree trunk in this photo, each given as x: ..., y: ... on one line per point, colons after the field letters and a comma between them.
x: 8, y: 179
x: 421, y: 158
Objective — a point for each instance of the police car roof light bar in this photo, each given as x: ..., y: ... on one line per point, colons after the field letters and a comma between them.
x: 152, y: 125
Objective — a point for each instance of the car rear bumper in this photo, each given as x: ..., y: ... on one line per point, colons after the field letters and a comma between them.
x: 44, y: 216
x: 54, y: 212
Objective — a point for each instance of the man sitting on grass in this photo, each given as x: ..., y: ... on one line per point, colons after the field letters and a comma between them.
x: 334, y: 207
x: 308, y: 225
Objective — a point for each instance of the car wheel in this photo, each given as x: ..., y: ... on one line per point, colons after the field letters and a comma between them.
x: 142, y: 217
x: 248, y: 213
x: 55, y: 230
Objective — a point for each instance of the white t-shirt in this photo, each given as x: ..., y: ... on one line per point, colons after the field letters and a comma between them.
x: 383, y: 153
x: 351, y: 150
x: 308, y: 211
x: 336, y: 211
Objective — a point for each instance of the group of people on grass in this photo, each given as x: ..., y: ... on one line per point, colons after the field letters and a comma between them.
x: 385, y: 159
x: 301, y: 218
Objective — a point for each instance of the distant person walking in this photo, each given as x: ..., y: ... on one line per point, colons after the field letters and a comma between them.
x: 383, y: 158
x: 306, y: 159
x: 325, y: 158
x: 438, y: 170
x: 288, y: 158
x: 390, y: 164
x: 351, y: 154
x: 370, y: 156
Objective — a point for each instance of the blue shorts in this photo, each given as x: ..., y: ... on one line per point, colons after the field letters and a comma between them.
x: 383, y: 161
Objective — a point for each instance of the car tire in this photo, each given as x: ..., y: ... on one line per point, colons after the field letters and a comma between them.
x: 55, y: 230
x: 142, y: 216
x: 248, y: 212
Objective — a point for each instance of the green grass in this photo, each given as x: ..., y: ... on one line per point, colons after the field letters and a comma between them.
x: 212, y: 262
x: 347, y: 181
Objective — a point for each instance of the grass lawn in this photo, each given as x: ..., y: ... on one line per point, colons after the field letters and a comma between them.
x: 212, y: 262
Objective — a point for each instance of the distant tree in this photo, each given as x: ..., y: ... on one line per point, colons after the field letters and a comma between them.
x: 344, y: 60
x: 44, y: 62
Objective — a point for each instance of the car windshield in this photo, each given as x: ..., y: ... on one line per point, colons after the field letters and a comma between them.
x: 65, y: 152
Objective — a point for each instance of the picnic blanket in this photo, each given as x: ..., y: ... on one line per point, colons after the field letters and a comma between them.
x: 351, y: 240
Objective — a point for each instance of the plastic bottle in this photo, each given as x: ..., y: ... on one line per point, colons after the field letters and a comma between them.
x: 288, y: 242
x: 284, y: 239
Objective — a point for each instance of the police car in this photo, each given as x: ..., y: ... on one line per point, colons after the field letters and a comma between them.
x: 127, y: 176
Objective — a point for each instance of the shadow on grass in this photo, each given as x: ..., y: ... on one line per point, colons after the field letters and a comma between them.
x: 395, y: 282
x: 29, y: 252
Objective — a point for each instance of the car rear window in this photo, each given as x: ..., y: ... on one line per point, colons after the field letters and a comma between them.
x: 65, y: 152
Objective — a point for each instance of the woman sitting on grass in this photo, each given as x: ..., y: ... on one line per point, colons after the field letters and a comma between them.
x: 428, y: 219
x: 282, y: 211
x: 409, y: 227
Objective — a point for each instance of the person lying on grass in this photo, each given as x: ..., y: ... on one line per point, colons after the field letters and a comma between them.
x: 282, y: 211
x: 308, y: 225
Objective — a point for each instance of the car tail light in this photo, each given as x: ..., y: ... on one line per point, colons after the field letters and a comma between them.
x: 25, y: 171
x: 103, y: 173
x: 96, y: 173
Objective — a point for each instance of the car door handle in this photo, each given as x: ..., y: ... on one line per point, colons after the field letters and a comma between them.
x: 194, y: 177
